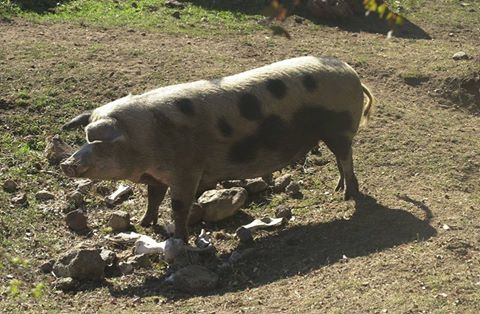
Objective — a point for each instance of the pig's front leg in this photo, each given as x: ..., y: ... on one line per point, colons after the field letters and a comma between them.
x: 156, y: 194
x: 183, y: 194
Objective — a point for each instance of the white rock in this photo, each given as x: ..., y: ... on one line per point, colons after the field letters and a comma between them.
x: 122, y: 191
x: 147, y: 245
x: 124, y: 238
x: 263, y: 223
x: 461, y: 55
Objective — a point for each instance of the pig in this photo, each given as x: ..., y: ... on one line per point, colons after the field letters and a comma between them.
x: 190, y: 136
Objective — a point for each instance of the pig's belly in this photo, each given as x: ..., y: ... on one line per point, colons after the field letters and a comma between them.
x: 254, y: 164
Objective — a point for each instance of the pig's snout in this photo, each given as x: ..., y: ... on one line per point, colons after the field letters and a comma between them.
x: 72, y: 167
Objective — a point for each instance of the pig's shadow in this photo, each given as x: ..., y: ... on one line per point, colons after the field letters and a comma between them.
x: 303, y: 249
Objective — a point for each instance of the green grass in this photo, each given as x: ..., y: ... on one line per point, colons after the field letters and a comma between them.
x: 198, y: 17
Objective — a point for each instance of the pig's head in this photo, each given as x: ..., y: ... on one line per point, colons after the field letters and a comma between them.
x: 106, y: 155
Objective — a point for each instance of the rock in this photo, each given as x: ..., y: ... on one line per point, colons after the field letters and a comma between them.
x: 255, y: 186
x: 20, y: 199
x: 9, y: 186
x: 76, y: 220
x: 108, y: 256
x: 140, y: 261
x: 66, y: 284
x: 283, y: 211
x: 233, y: 183
x: 47, y: 267
x: 299, y: 19
x: 244, y: 235
x: 147, y: 245
x: 75, y: 198
x: 263, y: 223
x: 195, y: 279
x: 196, y: 214
x: 268, y: 178
x: 220, y: 204
x: 44, y: 195
x: 204, y: 239
x: 57, y: 150
x: 84, y: 185
x: 176, y: 14
x: 293, y: 190
x: 121, y: 194
x: 119, y: 221
x: 126, y: 267
x: 82, y: 264
x: 124, y: 238
x: 461, y: 55
x: 281, y: 183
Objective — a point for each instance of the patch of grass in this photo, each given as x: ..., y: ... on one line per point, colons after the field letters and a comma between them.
x: 198, y: 17
x: 8, y: 10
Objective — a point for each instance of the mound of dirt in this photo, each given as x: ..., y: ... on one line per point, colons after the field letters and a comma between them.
x: 463, y: 93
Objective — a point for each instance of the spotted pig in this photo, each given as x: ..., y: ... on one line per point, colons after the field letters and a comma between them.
x: 193, y: 135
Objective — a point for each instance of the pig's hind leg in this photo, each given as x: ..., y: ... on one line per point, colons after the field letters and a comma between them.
x: 341, y: 146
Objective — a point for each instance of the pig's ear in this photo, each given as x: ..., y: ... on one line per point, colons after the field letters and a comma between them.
x: 80, y: 120
x: 105, y: 130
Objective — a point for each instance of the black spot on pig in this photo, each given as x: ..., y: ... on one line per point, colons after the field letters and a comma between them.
x: 250, y: 107
x: 177, y: 205
x: 314, y: 121
x: 277, y: 88
x: 185, y: 105
x: 224, y: 127
x: 272, y: 132
x: 309, y: 83
x: 245, y: 150
x: 308, y: 125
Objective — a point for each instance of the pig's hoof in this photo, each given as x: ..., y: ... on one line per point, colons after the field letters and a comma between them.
x: 147, y: 221
x: 340, y: 185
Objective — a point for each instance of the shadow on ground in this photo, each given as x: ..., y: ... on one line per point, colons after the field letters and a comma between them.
x: 302, y: 249
x: 38, y: 6
x: 370, y: 24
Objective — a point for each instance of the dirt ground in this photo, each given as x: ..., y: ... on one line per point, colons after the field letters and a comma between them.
x: 410, y: 245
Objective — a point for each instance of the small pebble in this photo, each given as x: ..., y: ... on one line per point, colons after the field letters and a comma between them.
x: 76, y: 220
x: 44, y: 195
x: 9, y: 186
